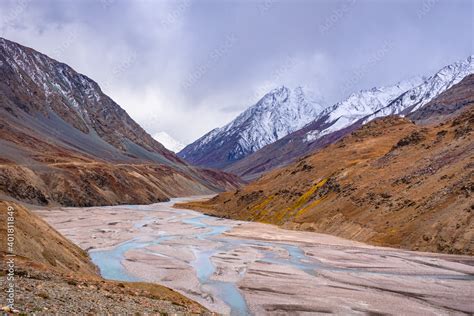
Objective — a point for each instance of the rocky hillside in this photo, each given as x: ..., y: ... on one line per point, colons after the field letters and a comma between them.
x: 61, y: 103
x: 344, y: 117
x: 62, y: 140
x: 390, y: 182
x: 447, y: 104
x: 54, y: 276
x: 279, y: 113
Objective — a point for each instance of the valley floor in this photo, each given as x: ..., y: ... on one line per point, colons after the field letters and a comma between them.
x: 235, y: 267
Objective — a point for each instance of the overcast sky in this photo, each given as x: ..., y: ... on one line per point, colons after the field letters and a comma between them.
x: 187, y: 66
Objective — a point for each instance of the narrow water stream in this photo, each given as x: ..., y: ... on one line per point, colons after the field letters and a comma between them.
x: 110, y: 261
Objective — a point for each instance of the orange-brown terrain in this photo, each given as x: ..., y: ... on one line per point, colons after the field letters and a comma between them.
x: 62, y: 178
x: 391, y: 182
x: 54, y: 276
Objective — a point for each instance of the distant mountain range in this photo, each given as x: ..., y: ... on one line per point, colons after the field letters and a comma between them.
x: 326, y: 125
x: 62, y: 140
x: 279, y: 113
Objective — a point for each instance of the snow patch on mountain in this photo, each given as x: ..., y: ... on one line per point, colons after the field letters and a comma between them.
x: 168, y: 141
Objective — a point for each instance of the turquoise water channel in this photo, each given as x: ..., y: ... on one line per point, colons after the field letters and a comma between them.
x: 110, y: 261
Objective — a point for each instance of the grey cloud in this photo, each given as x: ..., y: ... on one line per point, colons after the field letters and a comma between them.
x: 171, y: 66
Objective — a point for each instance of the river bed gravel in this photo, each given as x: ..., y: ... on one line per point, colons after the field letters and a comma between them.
x: 239, y: 268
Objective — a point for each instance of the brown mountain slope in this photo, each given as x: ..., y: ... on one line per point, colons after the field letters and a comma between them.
x: 390, y: 182
x: 35, y: 240
x: 56, y: 101
x: 62, y: 140
x: 54, y: 276
x: 285, y: 151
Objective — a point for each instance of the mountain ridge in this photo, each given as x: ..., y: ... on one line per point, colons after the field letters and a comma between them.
x: 347, y: 115
x: 76, y: 98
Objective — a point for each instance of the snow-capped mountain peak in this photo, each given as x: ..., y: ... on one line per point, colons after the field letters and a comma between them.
x: 168, y: 141
x: 278, y: 113
x: 275, y: 97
